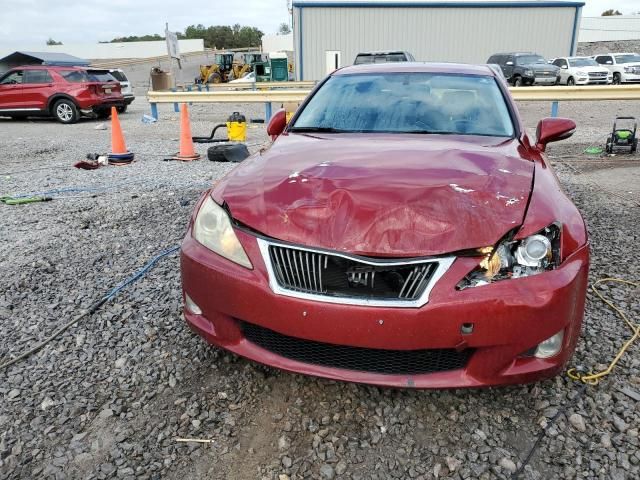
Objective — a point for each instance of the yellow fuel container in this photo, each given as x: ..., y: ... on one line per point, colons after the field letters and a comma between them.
x: 237, y: 127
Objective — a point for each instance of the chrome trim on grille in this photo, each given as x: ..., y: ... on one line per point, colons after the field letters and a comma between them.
x: 313, y: 277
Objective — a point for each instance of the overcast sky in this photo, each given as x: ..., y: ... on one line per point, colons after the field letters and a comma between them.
x: 26, y: 23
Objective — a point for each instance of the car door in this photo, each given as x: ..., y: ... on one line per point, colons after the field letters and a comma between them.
x: 605, y: 60
x: 37, y: 88
x: 564, y: 69
x: 508, y: 63
x: 11, y: 90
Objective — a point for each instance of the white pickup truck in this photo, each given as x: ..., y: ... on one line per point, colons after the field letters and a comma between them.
x: 624, y: 66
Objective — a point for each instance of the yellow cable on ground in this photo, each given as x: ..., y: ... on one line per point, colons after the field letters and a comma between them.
x: 594, y: 378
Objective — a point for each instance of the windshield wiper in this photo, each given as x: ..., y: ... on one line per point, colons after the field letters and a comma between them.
x: 319, y: 130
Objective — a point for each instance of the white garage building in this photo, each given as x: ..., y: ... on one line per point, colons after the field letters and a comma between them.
x: 331, y: 32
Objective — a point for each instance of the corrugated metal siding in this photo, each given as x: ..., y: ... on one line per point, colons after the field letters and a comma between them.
x: 600, y: 29
x: 468, y: 35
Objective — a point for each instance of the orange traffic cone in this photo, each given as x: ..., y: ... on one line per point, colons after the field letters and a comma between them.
x: 119, y: 154
x: 187, y: 152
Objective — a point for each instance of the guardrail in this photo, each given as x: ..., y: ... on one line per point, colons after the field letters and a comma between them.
x: 554, y: 94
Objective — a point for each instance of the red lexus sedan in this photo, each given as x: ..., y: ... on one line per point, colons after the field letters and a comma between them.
x: 402, y: 230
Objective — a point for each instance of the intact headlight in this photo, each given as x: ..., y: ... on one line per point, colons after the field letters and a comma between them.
x: 528, y: 73
x: 516, y: 258
x: 212, y: 228
x: 580, y: 73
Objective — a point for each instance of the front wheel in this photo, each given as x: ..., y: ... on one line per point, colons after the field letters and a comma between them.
x: 634, y: 146
x: 617, y: 79
x: 65, y: 111
x: 517, y: 82
x: 571, y: 82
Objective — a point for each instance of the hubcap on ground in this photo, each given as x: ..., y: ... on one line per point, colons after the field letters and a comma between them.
x: 64, y: 112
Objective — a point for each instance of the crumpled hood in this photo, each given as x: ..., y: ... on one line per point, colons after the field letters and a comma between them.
x: 382, y: 195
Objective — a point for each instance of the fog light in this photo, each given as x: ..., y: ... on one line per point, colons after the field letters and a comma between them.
x: 192, y: 307
x: 551, y: 346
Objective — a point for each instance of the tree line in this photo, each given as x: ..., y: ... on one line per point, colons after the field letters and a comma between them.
x: 217, y: 36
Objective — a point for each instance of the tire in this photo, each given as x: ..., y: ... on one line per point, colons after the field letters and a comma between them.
x: 65, y: 111
x: 517, y: 81
x: 228, y: 152
x: 570, y: 82
x: 215, y: 78
x: 122, y: 109
x: 617, y: 79
x: 634, y: 146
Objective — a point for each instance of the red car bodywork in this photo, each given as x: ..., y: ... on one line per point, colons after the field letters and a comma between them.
x: 40, y: 97
x: 398, y: 196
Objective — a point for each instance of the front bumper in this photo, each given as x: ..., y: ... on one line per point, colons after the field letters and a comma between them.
x: 128, y: 99
x: 629, y: 77
x: 593, y: 81
x: 546, y: 80
x: 509, y: 318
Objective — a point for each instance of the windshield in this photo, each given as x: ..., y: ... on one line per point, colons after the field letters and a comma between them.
x: 529, y: 59
x: 628, y: 58
x: 407, y: 103
x: 583, y: 62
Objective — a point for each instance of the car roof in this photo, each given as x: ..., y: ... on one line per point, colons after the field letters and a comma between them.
x: 50, y: 67
x: 382, y: 52
x: 516, y: 53
x: 417, y: 67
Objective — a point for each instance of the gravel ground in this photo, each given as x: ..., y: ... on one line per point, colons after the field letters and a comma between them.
x: 110, y: 396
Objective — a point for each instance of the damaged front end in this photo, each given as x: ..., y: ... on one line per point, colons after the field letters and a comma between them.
x: 512, y: 258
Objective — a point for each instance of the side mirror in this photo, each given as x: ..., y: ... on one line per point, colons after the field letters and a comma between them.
x: 609, y: 62
x: 277, y: 123
x: 553, y: 129
x: 509, y: 63
x: 564, y: 67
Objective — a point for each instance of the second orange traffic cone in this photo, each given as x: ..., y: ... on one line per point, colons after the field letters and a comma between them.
x: 187, y: 152
x: 119, y: 154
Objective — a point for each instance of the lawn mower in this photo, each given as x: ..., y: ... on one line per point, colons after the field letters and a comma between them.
x: 623, y: 137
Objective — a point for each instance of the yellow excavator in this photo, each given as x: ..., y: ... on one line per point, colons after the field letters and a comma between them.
x: 223, y: 70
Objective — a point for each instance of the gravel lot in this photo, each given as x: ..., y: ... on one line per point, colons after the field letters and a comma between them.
x: 110, y: 396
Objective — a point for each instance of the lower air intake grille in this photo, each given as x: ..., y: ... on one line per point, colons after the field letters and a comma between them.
x: 408, y: 362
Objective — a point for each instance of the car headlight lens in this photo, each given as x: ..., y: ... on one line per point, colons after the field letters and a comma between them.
x: 528, y: 73
x: 550, y: 347
x: 580, y: 73
x: 516, y: 258
x: 212, y: 228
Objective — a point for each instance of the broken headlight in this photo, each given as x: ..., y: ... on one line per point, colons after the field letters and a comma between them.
x: 516, y: 258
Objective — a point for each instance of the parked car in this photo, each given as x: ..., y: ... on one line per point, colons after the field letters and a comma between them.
x: 65, y: 93
x: 403, y: 229
x: 625, y: 67
x: 582, y: 71
x: 125, y: 86
x: 526, y: 69
x: 383, y: 57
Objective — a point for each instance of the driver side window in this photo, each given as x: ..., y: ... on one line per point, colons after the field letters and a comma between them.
x: 12, y: 78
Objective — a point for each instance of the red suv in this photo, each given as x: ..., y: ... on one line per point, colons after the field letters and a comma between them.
x: 65, y: 93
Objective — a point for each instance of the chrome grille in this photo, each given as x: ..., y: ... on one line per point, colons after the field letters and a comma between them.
x: 340, y: 278
x: 597, y: 75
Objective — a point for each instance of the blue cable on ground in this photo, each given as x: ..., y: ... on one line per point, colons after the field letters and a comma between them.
x: 112, y: 293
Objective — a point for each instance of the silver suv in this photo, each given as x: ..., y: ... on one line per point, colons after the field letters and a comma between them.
x: 125, y: 86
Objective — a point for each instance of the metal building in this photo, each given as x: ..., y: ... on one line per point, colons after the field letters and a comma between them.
x: 329, y: 33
